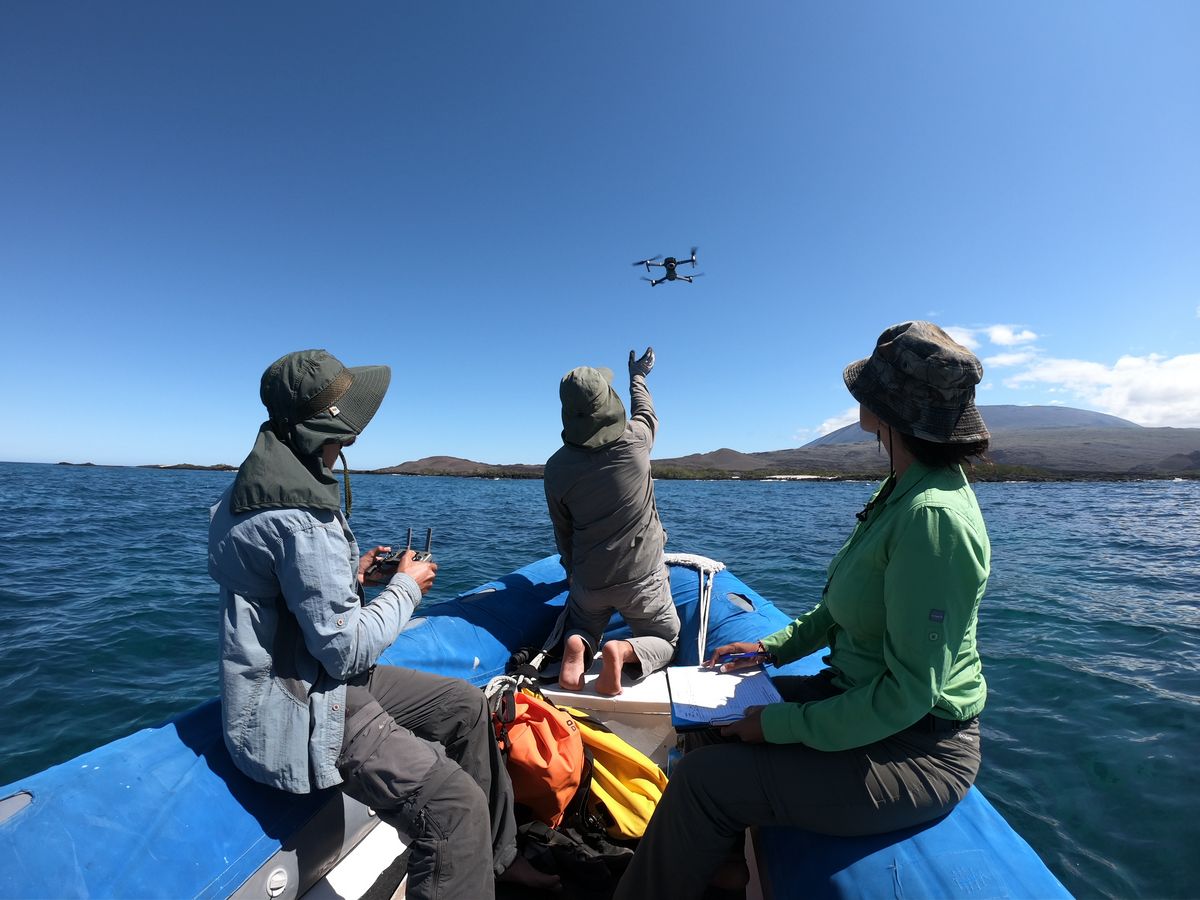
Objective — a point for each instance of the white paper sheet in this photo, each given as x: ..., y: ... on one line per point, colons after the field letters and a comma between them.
x: 701, y: 696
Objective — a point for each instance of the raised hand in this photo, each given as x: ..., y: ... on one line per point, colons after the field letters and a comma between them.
x: 641, y: 366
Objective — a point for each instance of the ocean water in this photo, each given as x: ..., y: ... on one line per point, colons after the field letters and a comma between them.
x: 1090, y: 629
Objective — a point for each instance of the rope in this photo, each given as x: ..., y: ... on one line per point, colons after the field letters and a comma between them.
x: 707, y: 569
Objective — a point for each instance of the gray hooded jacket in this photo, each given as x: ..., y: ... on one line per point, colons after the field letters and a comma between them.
x: 601, y: 503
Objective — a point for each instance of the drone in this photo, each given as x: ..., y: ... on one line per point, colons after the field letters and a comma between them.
x: 670, y: 264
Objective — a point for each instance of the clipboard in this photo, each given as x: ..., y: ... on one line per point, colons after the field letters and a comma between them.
x: 703, y: 698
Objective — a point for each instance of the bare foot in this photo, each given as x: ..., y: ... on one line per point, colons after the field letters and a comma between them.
x: 570, y: 676
x: 615, y: 655
x: 521, y: 871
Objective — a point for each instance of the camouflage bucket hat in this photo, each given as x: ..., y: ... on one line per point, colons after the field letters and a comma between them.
x: 921, y: 382
x: 592, y: 413
x: 309, y: 383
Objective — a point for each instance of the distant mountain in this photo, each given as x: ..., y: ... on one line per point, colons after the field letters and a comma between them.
x: 453, y: 465
x: 1027, y: 442
x: 723, y: 460
x: 1001, y: 417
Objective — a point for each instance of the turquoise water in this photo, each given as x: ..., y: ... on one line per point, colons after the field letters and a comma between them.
x: 1090, y: 629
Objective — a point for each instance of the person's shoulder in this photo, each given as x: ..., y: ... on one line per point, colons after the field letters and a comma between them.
x: 287, y: 520
x: 557, y: 462
x: 946, y: 494
x: 941, y: 487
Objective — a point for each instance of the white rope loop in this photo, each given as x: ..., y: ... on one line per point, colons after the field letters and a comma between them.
x: 707, y: 569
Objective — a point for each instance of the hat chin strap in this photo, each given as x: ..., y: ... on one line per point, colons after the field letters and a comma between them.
x: 889, y: 485
x: 879, y: 444
x: 345, y: 480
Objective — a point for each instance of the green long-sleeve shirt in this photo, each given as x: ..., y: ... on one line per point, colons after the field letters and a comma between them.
x: 898, y: 614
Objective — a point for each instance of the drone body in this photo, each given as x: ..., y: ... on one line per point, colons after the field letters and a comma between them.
x: 671, y: 264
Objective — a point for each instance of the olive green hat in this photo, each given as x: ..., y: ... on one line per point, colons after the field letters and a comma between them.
x: 921, y: 382
x: 311, y: 400
x: 592, y: 413
x: 302, y: 385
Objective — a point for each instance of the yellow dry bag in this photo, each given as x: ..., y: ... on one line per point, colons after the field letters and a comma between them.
x: 626, y: 784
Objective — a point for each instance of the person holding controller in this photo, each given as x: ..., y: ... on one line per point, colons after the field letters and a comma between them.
x: 304, y: 704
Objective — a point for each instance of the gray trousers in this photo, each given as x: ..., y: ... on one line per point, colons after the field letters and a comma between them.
x: 645, y: 605
x: 419, y: 750
x: 719, y: 790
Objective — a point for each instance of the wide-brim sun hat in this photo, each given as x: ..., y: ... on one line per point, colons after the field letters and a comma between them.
x: 592, y: 413
x: 308, y: 383
x: 921, y: 382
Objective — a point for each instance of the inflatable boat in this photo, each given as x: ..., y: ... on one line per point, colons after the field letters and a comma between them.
x: 163, y: 812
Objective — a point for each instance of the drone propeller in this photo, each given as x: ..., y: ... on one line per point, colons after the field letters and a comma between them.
x: 694, y: 249
x: 651, y: 280
x: 642, y: 262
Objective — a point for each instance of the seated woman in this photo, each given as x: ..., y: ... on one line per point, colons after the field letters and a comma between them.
x: 888, y: 735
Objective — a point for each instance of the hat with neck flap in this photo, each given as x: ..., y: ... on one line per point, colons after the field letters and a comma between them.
x: 311, y: 400
x: 592, y: 413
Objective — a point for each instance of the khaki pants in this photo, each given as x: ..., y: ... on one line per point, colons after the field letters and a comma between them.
x: 719, y: 790
x: 645, y: 605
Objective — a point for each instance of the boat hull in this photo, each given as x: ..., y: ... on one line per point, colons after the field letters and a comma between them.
x: 164, y: 813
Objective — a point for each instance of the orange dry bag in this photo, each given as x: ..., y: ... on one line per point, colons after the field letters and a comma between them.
x: 543, y: 753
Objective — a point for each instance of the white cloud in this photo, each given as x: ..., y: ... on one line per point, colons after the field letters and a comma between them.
x: 1150, y: 390
x: 848, y: 417
x: 1198, y: 312
x: 999, y: 335
x: 1009, y: 359
x: 1008, y: 336
x: 965, y: 336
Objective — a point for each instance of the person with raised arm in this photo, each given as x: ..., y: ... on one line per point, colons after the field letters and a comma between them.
x: 600, y: 495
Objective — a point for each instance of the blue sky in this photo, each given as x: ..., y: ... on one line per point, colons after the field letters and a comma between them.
x: 458, y: 190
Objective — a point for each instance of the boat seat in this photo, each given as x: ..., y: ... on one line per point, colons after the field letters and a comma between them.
x: 972, y: 852
x: 640, y: 714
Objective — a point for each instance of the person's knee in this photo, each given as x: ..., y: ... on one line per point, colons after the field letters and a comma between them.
x: 700, y: 767
x: 456, y: 807
x: 466, y: 705
x: 658, y: 618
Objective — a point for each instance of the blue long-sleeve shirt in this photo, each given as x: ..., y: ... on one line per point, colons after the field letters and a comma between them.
x: 293, y: 631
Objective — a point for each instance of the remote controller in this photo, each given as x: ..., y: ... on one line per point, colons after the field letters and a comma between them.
x: 391, y: 560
